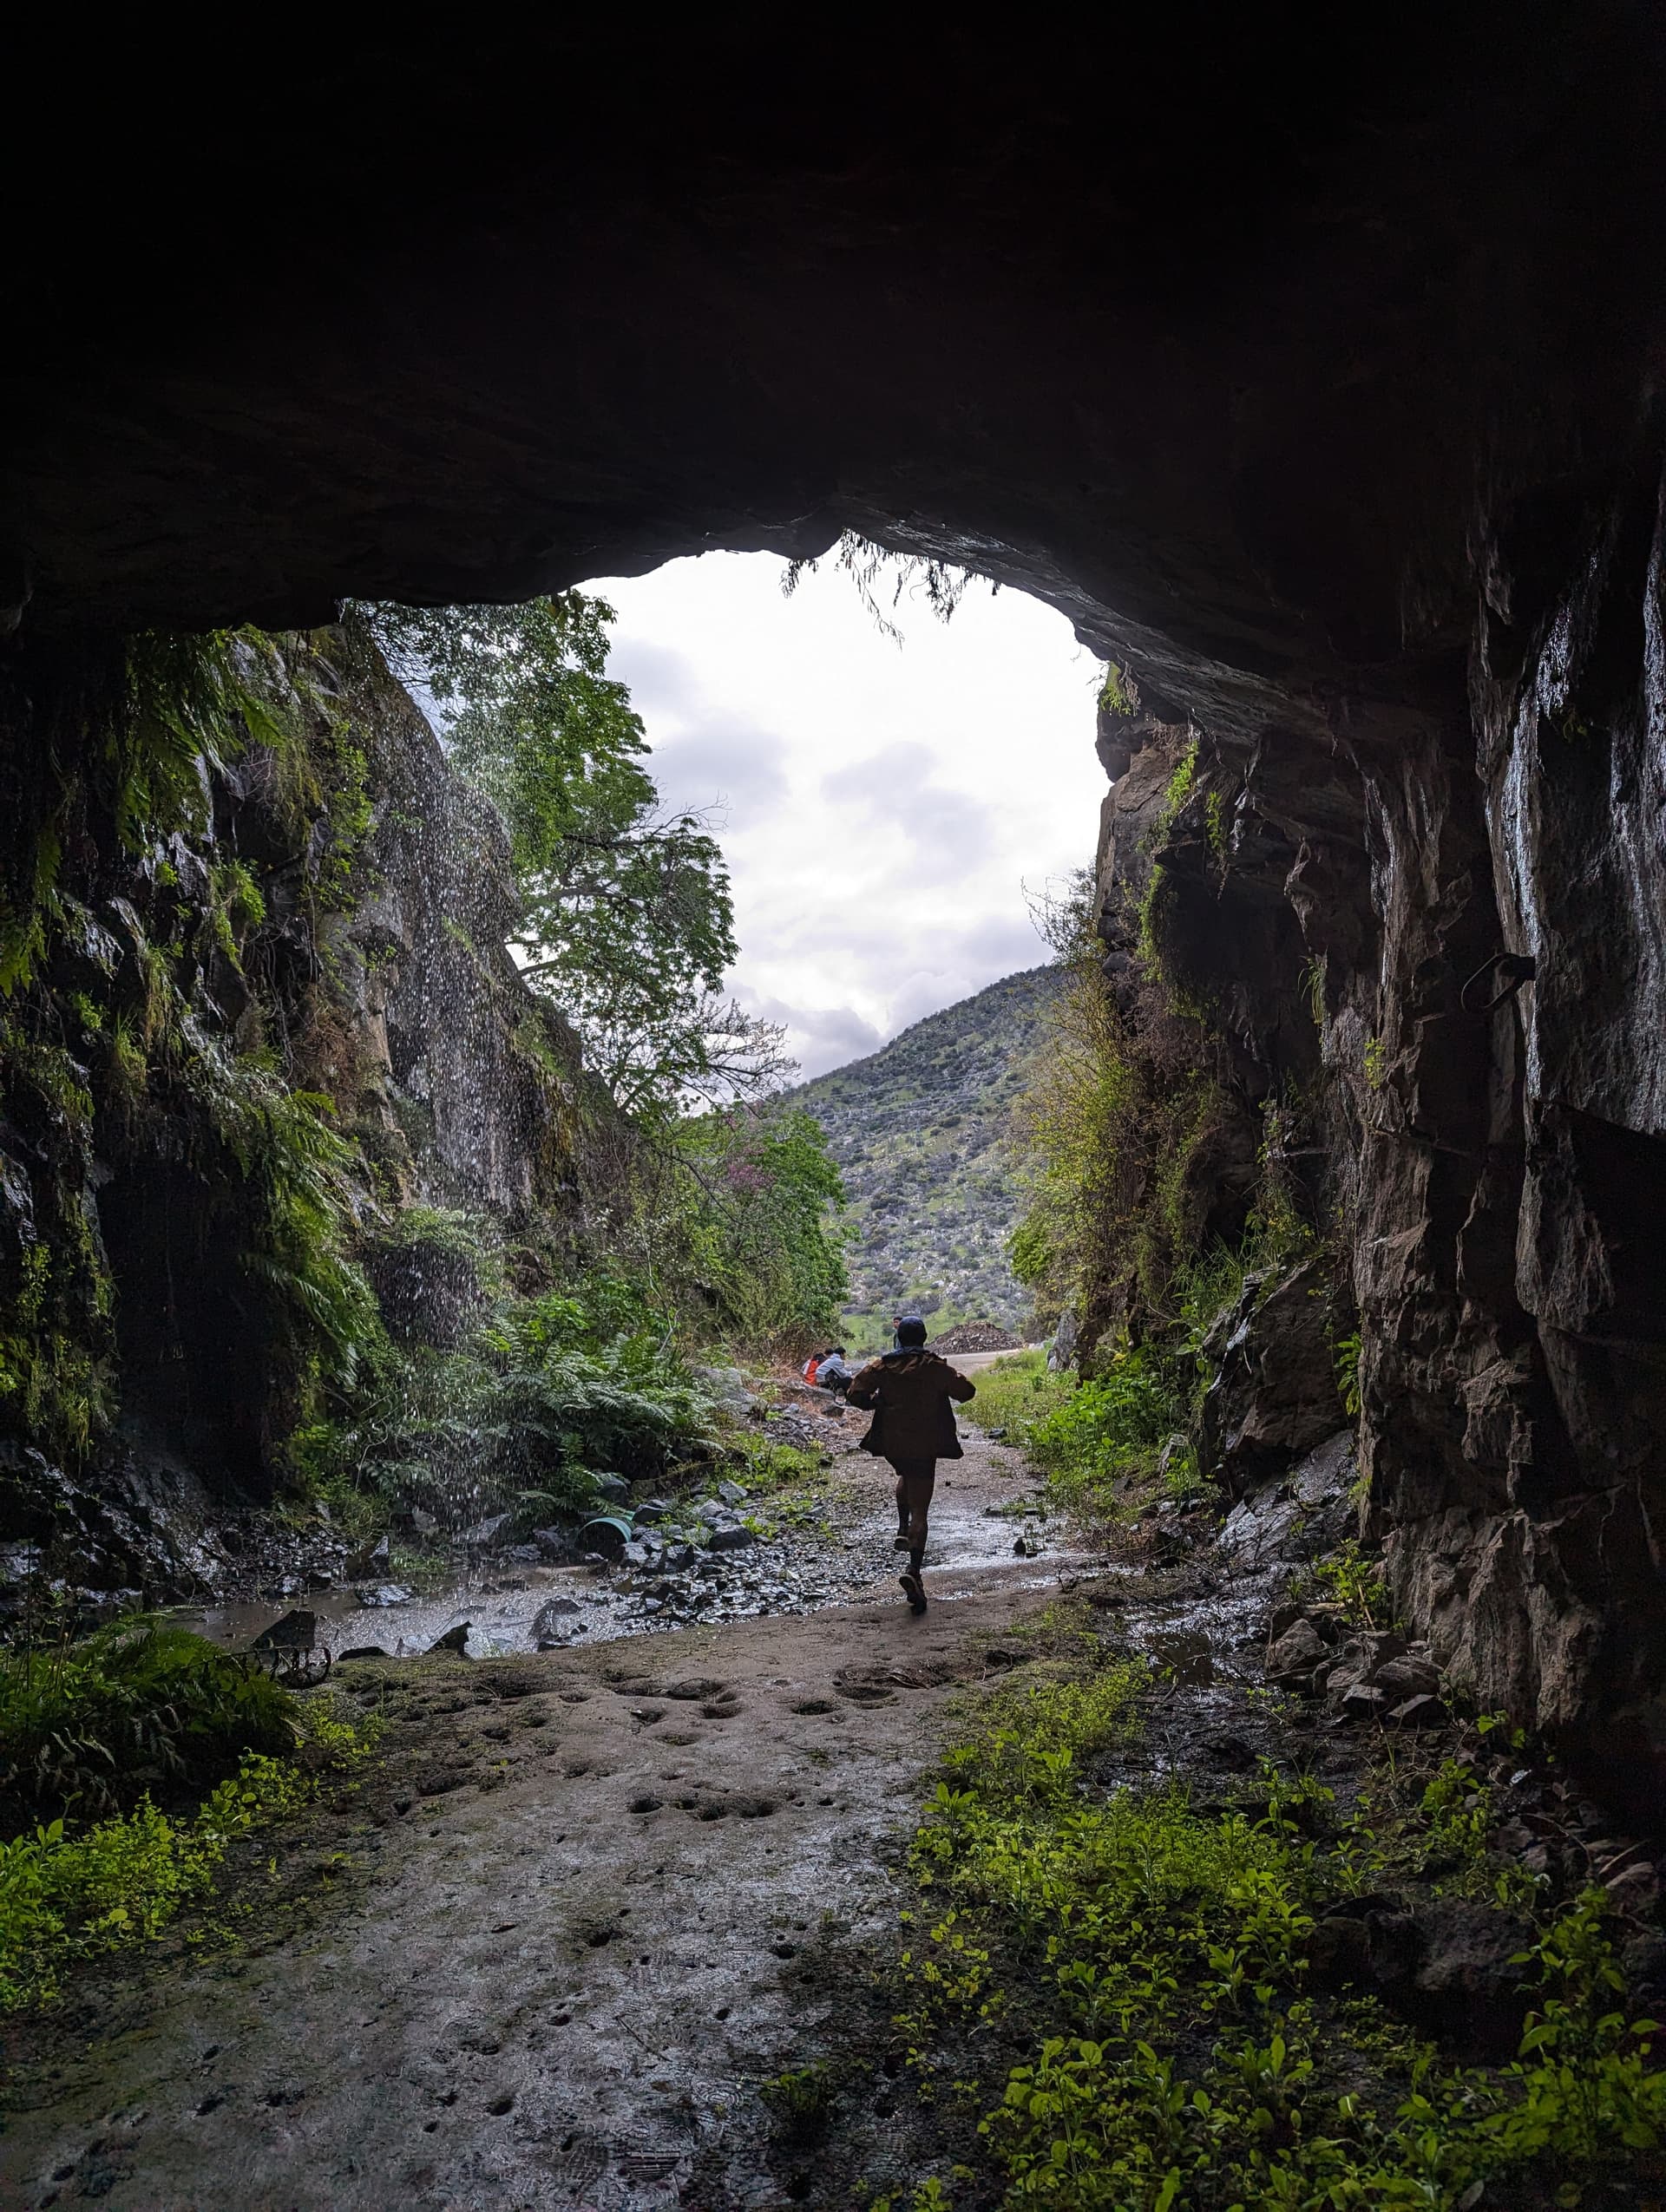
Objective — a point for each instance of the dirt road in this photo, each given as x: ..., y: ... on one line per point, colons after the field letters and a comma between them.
x: 569, y: 1929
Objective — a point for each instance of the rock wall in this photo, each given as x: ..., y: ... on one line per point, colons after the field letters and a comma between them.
x: 246, y: 1047
x: 1439, y: 938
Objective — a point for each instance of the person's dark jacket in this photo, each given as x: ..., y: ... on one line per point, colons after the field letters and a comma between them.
x: 910, y: 1394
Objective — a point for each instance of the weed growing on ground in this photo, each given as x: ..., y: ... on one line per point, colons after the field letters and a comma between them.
x: 799, y: 2103
x: 1133, y: 1966
x: 68, y: 1895
x: 1351, y: 1579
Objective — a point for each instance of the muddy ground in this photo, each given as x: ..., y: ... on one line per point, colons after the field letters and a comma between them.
x: 586, y: 1903
x: 542, y: 1955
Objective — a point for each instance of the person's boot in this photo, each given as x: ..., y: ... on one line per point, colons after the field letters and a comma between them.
x: 913, y: 1588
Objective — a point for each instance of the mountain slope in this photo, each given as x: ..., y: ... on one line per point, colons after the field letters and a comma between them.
x: 921, y: 1132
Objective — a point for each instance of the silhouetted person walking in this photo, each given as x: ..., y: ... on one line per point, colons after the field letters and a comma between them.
x: 911, y: 1391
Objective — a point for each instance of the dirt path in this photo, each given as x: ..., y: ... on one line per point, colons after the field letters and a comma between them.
x: 571, y: 1926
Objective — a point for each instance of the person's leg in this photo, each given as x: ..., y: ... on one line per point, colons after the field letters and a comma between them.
x: 921, y: 1482
x: 915, y: 1480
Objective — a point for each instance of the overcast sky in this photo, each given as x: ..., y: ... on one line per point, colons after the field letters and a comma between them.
x: 880, y: 809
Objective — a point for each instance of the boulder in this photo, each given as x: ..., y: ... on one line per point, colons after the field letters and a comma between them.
x: 1420, y: 1712
x: 364, y: 1652
x: 490, y: 1531
x: 1298, y: 1651
x: 738, y: 1539
x: 296, y: 1632
x: 384, y: 1593
x: 1407, y: 1677
x: 551, y: 1618
x: 455, y: 1639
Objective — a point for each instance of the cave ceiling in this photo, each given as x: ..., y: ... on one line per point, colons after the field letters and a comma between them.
x: 1211, y: 328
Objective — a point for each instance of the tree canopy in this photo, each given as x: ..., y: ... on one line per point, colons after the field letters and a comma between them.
x: 625, y: 919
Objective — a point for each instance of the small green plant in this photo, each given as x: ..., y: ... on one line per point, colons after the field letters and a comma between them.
x: 1376, y: 1062
x: 1119, y: 693
x: 1347, y: 1374
x: 1313, y: 989
x: 800, y: 2105
x: 1351, y: 1579
x: 1216, y: 825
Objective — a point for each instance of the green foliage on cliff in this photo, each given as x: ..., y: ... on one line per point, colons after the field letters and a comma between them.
x: 625, y: 917
x: 763, y: 1238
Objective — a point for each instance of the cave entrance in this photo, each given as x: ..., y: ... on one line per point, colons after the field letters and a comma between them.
x: 852, y: 740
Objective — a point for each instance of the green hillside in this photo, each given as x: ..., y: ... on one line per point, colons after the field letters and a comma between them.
x: 921, y: 1132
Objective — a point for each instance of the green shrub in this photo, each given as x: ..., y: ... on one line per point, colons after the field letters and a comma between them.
x: 87, y: 1729
x: 71, y: 1894
x: 1109, y: 1428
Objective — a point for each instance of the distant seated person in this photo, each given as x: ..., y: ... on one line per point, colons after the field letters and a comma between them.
x: 832, y: 1374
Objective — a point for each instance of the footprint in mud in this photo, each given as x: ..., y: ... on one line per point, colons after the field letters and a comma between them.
x: 574, y: 1696
x: 702, y: 1686
x: 646, y: 1804
x: 866, y: 1693
x: 814, y: 1705
x: 723, y: 1708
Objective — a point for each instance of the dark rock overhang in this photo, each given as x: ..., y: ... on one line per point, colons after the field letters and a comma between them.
x: 1210, y: 328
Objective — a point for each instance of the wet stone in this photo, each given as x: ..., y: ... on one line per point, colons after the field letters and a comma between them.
x: 733, y: 1540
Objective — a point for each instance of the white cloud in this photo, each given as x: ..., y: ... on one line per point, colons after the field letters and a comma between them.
x: 883, y: 808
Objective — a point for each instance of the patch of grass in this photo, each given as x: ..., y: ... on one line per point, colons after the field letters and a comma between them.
x: 1015, y: 1393
x: 68, y: 1895
x: 1105, y: 1436
x: 799, y: 2103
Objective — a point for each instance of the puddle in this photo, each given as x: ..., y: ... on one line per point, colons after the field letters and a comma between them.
x: 500, y: 1610
x: 1187, y: 1653
x: 792, y: 1572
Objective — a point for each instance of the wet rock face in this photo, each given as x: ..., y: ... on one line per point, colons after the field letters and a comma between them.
x: 368, y: 955
x: 1274, y: 1395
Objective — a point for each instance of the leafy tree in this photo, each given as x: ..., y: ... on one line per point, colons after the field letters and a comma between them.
x: 627, y: 920
x: 762, y: 1242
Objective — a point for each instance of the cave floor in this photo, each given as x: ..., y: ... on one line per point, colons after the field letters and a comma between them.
x: 541, y: 1955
